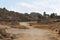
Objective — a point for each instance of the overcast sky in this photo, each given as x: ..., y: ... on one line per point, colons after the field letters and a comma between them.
x: 28, y: 6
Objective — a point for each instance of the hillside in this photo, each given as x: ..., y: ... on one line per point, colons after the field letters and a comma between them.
x: 6, y: 15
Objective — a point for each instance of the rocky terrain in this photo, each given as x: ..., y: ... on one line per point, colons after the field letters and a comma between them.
x: 24, y: 26
x: 12, y: 33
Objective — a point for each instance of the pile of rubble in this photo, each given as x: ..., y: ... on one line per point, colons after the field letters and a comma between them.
x: 6, y: 36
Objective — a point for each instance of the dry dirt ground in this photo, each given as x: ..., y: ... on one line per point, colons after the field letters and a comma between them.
x: 33, y: 33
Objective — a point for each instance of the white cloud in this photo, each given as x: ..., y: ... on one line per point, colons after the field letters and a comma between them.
x: 25, y: 5
x: 38, y: 5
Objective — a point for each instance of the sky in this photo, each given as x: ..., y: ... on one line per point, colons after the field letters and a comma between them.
x: 27, y: 6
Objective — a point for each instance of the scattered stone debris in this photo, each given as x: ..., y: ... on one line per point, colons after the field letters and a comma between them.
x: 6, y: 36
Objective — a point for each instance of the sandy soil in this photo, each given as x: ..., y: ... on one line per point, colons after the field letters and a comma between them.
x: 31, y: 33
x: 26, y: 24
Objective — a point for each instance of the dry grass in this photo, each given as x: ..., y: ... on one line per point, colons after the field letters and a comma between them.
x: 13, y: 25
x: 41, y: 26
x: 45, y: 26
x: 22, y: 27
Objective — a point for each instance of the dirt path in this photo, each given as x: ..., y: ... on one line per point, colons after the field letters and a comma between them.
x: 31, y: 33
x: 28, y: 31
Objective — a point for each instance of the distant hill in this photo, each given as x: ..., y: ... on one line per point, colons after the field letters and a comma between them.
x: 6, y: 15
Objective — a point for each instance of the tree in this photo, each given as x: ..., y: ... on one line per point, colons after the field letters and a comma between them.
x: 53, y: 15
x: 44, y: 14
